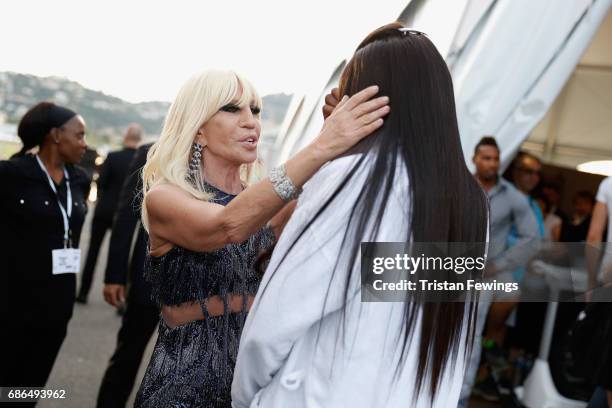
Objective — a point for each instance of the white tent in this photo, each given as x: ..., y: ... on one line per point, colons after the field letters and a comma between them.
x: 514, y: 64
x: 578, y: 126
x: 509, y: 60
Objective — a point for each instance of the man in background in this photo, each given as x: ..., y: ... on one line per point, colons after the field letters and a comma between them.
x: 141, y: 314
x: 527, y: 318
x: 552, y: 191
x: 576, y: 227
x: 526, y: 174
x: 508, y: 209
x: 112, y: 176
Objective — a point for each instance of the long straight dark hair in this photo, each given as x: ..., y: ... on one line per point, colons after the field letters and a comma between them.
x: 446, y: 203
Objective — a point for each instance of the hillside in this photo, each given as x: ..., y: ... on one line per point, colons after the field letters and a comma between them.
x: 106, y: 116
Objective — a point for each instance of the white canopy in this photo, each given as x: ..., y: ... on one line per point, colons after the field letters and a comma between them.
x: 509, y: 60
x: 578, y: 126
x: 515, y: 63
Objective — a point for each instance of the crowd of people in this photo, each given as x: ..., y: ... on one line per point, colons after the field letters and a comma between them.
x: 524, y: 212
x: 254, y: 286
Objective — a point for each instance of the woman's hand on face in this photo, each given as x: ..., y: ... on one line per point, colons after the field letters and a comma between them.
x: 353, y: 119
x: 332, y: 100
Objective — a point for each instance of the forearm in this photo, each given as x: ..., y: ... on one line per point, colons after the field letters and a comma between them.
x: 594, y: 238
x: 278, y: 222
x: 592, y: 254
x: 256, y: 205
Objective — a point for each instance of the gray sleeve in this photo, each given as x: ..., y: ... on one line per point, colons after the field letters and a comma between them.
x: 526, y: 225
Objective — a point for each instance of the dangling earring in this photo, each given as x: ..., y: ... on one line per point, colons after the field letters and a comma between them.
x: 194, y: 164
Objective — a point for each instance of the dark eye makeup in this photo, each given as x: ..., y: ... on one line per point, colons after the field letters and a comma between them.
x: 230, y: 107
x: 233, y: 108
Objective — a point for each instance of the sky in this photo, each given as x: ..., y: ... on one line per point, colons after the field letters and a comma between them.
x: 144, y: 50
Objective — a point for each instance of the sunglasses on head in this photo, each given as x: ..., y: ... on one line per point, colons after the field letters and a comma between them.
x: 405, y: 31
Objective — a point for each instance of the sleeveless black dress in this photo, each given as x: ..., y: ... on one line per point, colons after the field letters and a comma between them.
x: 192, y: 365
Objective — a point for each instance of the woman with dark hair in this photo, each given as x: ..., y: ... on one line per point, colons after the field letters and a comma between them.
x: 309, y: 340
x: 42, y: 209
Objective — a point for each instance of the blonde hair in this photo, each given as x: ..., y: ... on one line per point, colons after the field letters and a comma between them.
x: 197, y: 101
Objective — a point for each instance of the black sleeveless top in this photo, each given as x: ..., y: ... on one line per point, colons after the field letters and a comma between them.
x: 192, y: 364
x: 182, y: 275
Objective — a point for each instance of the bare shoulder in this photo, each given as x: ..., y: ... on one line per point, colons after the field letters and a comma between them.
x: 170, y: 202
x: 165, y: 197
x: 176, y: 217
x: 165, y: 191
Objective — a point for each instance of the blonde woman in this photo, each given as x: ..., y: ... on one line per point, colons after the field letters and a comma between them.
x: 207, y: 227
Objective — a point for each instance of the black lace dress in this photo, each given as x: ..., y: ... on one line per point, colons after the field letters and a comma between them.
x: 193, y: 364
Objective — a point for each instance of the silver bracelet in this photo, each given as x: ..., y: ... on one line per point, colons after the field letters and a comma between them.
x: 283, y: 185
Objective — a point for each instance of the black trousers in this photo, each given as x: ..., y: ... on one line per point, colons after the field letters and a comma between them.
x: 99, y: 226
x: 138, y: 325
x: 27, y: 355
x: 34, y: 316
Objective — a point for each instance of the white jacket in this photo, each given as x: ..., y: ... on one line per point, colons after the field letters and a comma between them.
x: 280, y: 364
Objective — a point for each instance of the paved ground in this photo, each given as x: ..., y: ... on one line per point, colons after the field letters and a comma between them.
x: 89, y: 344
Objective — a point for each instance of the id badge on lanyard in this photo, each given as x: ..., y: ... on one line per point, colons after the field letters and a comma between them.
x: 67, y: 259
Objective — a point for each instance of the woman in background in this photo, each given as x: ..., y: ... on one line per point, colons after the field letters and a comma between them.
x: 42, y: 209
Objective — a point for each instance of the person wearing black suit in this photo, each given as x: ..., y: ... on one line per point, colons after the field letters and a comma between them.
x: 112, y: 176
x: 141, y: 315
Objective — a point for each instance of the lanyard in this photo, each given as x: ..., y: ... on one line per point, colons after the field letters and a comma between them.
x: 65, y: 215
